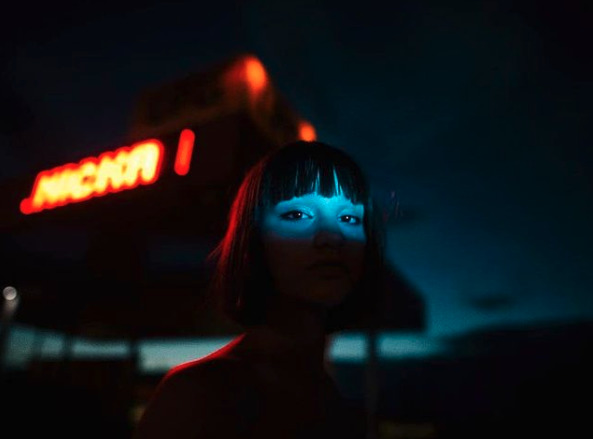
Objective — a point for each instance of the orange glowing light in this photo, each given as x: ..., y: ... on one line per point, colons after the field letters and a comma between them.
x: 114, y: 171
x: 184, y: 152
x: 307, y: 132
x: 256, y: 75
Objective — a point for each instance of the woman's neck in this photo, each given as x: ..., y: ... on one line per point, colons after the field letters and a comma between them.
x: 294, y: 331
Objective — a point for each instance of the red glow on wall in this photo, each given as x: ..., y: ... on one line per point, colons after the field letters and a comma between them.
x: 114, y: 171
x: 184, y: 152
x: 307, y: 132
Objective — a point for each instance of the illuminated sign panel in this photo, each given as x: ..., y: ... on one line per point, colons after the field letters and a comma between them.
x: 114, y: 171
x: 242, y: 85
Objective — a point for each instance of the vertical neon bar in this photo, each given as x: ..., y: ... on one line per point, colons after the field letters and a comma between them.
x: 184, y: 151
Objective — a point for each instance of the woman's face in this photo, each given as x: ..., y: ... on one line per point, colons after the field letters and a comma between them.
x: 315, y: 246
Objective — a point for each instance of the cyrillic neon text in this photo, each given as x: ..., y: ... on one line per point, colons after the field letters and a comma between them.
x: 124, y: 168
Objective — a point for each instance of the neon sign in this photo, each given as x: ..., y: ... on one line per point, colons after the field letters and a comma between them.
x: 114, y: 171
x: 184, y: 152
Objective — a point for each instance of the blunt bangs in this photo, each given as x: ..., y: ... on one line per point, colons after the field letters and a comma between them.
x: 309, y: 167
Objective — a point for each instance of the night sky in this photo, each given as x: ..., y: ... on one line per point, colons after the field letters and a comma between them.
x: 475, y: 113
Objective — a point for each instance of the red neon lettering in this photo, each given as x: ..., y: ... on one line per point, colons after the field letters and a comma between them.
x: 184, y: 152
x: 124, y: 168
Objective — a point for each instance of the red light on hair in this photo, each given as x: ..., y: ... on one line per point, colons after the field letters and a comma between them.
x: 184, y: 152
x: 306, y: 131
x: 124, y: 168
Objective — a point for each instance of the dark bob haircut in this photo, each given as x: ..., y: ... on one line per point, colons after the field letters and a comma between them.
x: 241, y: 282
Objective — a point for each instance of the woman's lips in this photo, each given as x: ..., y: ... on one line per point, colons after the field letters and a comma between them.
x: 329, y: 268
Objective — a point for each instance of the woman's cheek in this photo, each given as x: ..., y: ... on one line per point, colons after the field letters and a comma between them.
x: 285, y: 260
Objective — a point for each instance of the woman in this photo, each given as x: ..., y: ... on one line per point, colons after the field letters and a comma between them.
x: 299, y: 261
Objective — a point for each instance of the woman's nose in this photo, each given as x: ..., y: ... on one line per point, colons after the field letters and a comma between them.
x: 328, y: 235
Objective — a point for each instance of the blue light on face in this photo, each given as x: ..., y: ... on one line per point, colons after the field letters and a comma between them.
x: 303, y: 216
x: 303, y: 233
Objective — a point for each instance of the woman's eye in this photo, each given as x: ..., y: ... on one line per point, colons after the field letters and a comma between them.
x: 294, y: 215
x: 350, y: 219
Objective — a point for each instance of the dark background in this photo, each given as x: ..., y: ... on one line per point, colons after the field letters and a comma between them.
x: 477, y: 115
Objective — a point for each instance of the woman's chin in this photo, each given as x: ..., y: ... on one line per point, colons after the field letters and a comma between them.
x: 328, y: 297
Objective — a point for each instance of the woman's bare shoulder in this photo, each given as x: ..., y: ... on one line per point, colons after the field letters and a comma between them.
x: 203, y: 373
x: 195, y: 399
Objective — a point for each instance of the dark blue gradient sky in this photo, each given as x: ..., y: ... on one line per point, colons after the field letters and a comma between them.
x: 478, y: 115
